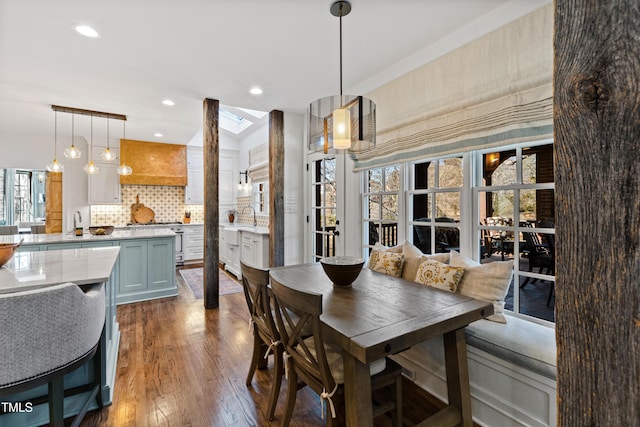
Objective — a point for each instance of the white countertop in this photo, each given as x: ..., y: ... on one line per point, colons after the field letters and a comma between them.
x: 32, y: 270
x: 134, y: 233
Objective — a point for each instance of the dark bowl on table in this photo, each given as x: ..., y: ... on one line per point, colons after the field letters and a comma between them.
x: 103, y: 230
x: 342, y: 270
x: 6, y: 252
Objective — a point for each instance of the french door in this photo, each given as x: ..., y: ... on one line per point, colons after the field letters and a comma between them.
x: 327, y: 206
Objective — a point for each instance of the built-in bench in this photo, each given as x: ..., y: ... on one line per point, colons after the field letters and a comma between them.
x: 512, y: 371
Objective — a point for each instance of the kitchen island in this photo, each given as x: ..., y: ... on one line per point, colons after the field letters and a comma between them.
x: 29, y: 270
x: 145, y: 269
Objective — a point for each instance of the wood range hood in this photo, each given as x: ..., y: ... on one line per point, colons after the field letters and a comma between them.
x: 154, y: 163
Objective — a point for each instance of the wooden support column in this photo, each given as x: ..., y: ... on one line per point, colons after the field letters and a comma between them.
x: 211, y: 150
x: 276, y: 188
x: 597, y: 141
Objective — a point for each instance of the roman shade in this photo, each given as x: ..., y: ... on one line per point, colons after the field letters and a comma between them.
x: 493, y: 91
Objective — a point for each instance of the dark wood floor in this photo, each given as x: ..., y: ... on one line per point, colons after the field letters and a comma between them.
x: 182, y: 365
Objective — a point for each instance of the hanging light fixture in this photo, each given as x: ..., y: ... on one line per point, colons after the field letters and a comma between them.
x: 107, y: 155
x: 90, y: 168
x: 72, y: 152
x: 342, y: 122
x: 124, y: 169
x: 55, y: 165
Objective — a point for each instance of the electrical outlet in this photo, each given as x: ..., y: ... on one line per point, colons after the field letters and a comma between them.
x: 290, y: 199
x: 290, y: 209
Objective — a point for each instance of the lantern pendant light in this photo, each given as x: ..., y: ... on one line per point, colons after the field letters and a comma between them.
x: 72, y: 152
x: 107, y: 155
x: 124, y: 169
x: 55, y: 166
x: 333, y: 119
x: 90, y: 168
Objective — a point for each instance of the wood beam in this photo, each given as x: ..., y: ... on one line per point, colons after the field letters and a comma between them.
x: 276, y: 188
x: 597, y: 140
x: 93, y: 113
x: 211, y: 152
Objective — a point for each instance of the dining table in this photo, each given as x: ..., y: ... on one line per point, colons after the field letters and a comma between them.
x: 381, y: 315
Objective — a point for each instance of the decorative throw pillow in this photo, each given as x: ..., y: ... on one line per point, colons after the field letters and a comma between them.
x: 488, y: 282
x: 386, y: 262
x: 439, y: 275
x: 413, y: 257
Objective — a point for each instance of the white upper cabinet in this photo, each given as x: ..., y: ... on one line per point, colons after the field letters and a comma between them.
x: 227, y: 174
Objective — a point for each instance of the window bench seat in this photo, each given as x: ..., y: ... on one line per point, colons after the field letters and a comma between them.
x: 512, y: 372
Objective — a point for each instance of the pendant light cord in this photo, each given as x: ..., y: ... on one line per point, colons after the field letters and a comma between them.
x: 341, y: 50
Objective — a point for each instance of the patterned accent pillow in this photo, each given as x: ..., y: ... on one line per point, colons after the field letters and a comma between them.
x: 488, y: 282
x: 439, y: 275
x: 386, y: 262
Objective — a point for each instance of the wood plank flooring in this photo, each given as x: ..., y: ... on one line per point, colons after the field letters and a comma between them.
x: 182, y: 365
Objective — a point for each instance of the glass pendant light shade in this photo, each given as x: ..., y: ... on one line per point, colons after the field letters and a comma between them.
x: 90, y: 168
x: 107, y: 155
x: 55, y: 165
x: 124, y: 170
x: 72, y: 152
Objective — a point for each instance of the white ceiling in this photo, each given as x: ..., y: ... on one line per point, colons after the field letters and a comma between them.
x: 150, y: 50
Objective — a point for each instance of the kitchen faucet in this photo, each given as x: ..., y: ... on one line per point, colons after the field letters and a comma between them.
x: 74, y: 219
x: 255, y: 223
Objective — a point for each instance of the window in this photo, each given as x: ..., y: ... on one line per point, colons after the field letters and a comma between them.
x: 260, y: 197
x: 516, y: 220
x: 381, y: 201
x: 22, y: 196
x: 436, y: 204
x: 324, y: 209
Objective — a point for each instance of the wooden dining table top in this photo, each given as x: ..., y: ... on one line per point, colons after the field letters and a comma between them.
x: 381, y: 314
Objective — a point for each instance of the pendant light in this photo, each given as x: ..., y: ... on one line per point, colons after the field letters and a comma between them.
x: 90, y: 168
x: 335, y: 120
x: 55, y: 166
x: 72, y: 152
x: 107, y: 155
x: 124, y: 169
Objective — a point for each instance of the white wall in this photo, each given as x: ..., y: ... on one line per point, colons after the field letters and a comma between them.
x: 294, y: 164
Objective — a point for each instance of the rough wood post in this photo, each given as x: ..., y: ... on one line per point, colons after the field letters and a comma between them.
x: 276, y: 188
x: 211, y: 209
x: 597, y: 146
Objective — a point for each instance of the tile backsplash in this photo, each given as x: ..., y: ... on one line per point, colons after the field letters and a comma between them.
x: 168, y: 204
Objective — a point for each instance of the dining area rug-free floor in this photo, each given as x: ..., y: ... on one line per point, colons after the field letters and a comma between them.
x: 194, y: 278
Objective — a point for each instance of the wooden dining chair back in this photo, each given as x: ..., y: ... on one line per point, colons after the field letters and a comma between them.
x: 312, y: 362
x: 539, y: 255
x: 266, y: 340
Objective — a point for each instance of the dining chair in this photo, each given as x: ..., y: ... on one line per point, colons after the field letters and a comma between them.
x: 47, y: 333
x: 309, y: 361
x: 540, y: 255
x: 266, y: 338
x: 6, y: 230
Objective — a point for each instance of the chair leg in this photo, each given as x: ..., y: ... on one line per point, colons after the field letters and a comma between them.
x: 551, y: 289
x: 56, y: 402
x: 277, y: 381
x: 397, y: 397
x: 255, y: 357
x: 292, y: 391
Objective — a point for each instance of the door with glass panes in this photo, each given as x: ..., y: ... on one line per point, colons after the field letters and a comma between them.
x: 327, y: 206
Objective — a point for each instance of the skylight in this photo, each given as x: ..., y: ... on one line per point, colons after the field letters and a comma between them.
x: 232, y: 122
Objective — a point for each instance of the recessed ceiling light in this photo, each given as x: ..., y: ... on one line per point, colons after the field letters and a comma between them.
x: 168, y: 102
x: 255, y: 91
x: 87, y: 31
x: 158, y: 134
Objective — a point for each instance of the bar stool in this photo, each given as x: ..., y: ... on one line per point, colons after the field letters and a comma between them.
x: 46, y: 333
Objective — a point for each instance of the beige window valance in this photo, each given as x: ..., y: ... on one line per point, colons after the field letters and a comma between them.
x: 494, y: 91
